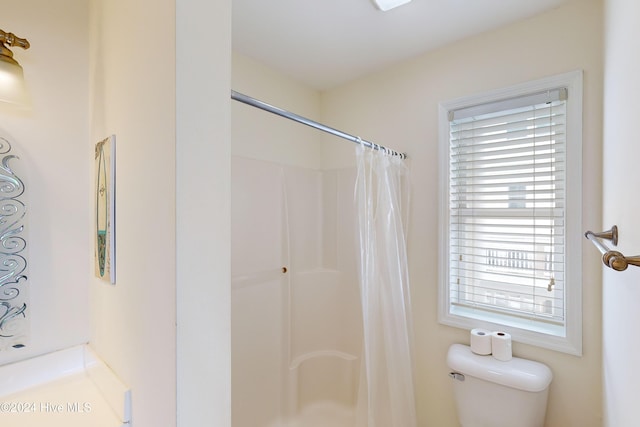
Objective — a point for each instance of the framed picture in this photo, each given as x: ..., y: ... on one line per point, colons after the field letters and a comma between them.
x: 105, y: 201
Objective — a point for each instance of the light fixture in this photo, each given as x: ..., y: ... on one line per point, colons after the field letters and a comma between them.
x: 385, y: 5
x: 12, y: 87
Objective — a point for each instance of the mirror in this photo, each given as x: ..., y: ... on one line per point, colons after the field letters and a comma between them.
x: 13, y: 250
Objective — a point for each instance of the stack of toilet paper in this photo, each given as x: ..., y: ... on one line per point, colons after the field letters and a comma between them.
x: 496, y: 343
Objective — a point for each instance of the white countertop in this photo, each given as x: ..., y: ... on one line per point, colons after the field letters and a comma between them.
x: 71, y: 388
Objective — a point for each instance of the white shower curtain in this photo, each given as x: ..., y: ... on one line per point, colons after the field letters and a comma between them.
x: 386, y: 396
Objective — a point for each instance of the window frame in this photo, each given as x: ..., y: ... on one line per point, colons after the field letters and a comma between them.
x: 567, y: 339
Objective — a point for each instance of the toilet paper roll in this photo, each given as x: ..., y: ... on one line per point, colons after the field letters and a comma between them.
x: 480, y: 341
x: 501, y: 346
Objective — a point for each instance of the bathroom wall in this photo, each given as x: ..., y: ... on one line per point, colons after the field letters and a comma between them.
x: 203, y: 176
x: 132, y: 77
x: 621, y: 290
x: 398, y: 107
x: 160, y: 81
x: 52, y: 140
x: 100, y: 67
x: 262, y: 135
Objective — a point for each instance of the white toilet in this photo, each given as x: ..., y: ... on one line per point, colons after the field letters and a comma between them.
x: 491, y: 393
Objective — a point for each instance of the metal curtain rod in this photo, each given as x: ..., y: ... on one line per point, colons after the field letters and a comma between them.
x: 610, y: 258
x: 237, y: 96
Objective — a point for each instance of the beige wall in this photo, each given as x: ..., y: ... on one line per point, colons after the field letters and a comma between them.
x: 262, y: 135
x: 165, y: 326
x: 133, y: 324
x: 109, y: 67
x: 52, y: 141
x: 399, y: 107
x: 203, y: 78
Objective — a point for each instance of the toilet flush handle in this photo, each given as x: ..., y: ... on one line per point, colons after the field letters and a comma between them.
x: 456, y: 376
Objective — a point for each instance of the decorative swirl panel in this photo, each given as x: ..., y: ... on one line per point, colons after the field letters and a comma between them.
x: 14, y: 325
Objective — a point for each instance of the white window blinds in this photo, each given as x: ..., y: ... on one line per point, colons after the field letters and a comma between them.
x: 507, y: 207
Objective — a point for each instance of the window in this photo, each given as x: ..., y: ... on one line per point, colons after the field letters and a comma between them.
x: 511, y: 217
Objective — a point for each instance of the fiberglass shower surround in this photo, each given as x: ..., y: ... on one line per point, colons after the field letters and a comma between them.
x: 296, y: 335
x: 313, y: 345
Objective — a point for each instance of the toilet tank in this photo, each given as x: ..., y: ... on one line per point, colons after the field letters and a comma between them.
x: 491, y: 393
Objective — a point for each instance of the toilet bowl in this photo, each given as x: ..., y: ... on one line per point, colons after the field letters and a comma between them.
x: 492, y: 393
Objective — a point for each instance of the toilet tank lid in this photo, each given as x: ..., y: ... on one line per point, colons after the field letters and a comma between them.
x: 517, y: 373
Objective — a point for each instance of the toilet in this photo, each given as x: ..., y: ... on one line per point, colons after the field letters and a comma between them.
x: 491, y: 393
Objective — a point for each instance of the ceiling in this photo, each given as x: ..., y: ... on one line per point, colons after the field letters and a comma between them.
x: 324, y: 43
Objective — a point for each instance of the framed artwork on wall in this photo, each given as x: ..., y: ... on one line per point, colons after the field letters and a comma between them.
x: 105, y: 212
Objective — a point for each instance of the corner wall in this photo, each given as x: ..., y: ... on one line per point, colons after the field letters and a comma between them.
x: 133, y: 324
x: 259, y: 134
x: 203, y: 176
x: 398, y: 107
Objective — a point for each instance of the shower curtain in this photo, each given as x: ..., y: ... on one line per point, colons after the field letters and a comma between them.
x: 386, y: 394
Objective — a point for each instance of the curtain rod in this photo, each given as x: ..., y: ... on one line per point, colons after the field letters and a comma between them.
x: 237, y: 96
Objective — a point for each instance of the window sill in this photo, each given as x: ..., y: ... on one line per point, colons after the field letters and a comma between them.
x: 539, y: 334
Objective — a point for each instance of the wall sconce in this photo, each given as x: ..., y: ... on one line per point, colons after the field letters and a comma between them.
x: 12, y: 87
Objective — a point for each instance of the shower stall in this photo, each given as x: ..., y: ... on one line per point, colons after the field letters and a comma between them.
x: 296, y: 316
x: 320, y: 304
